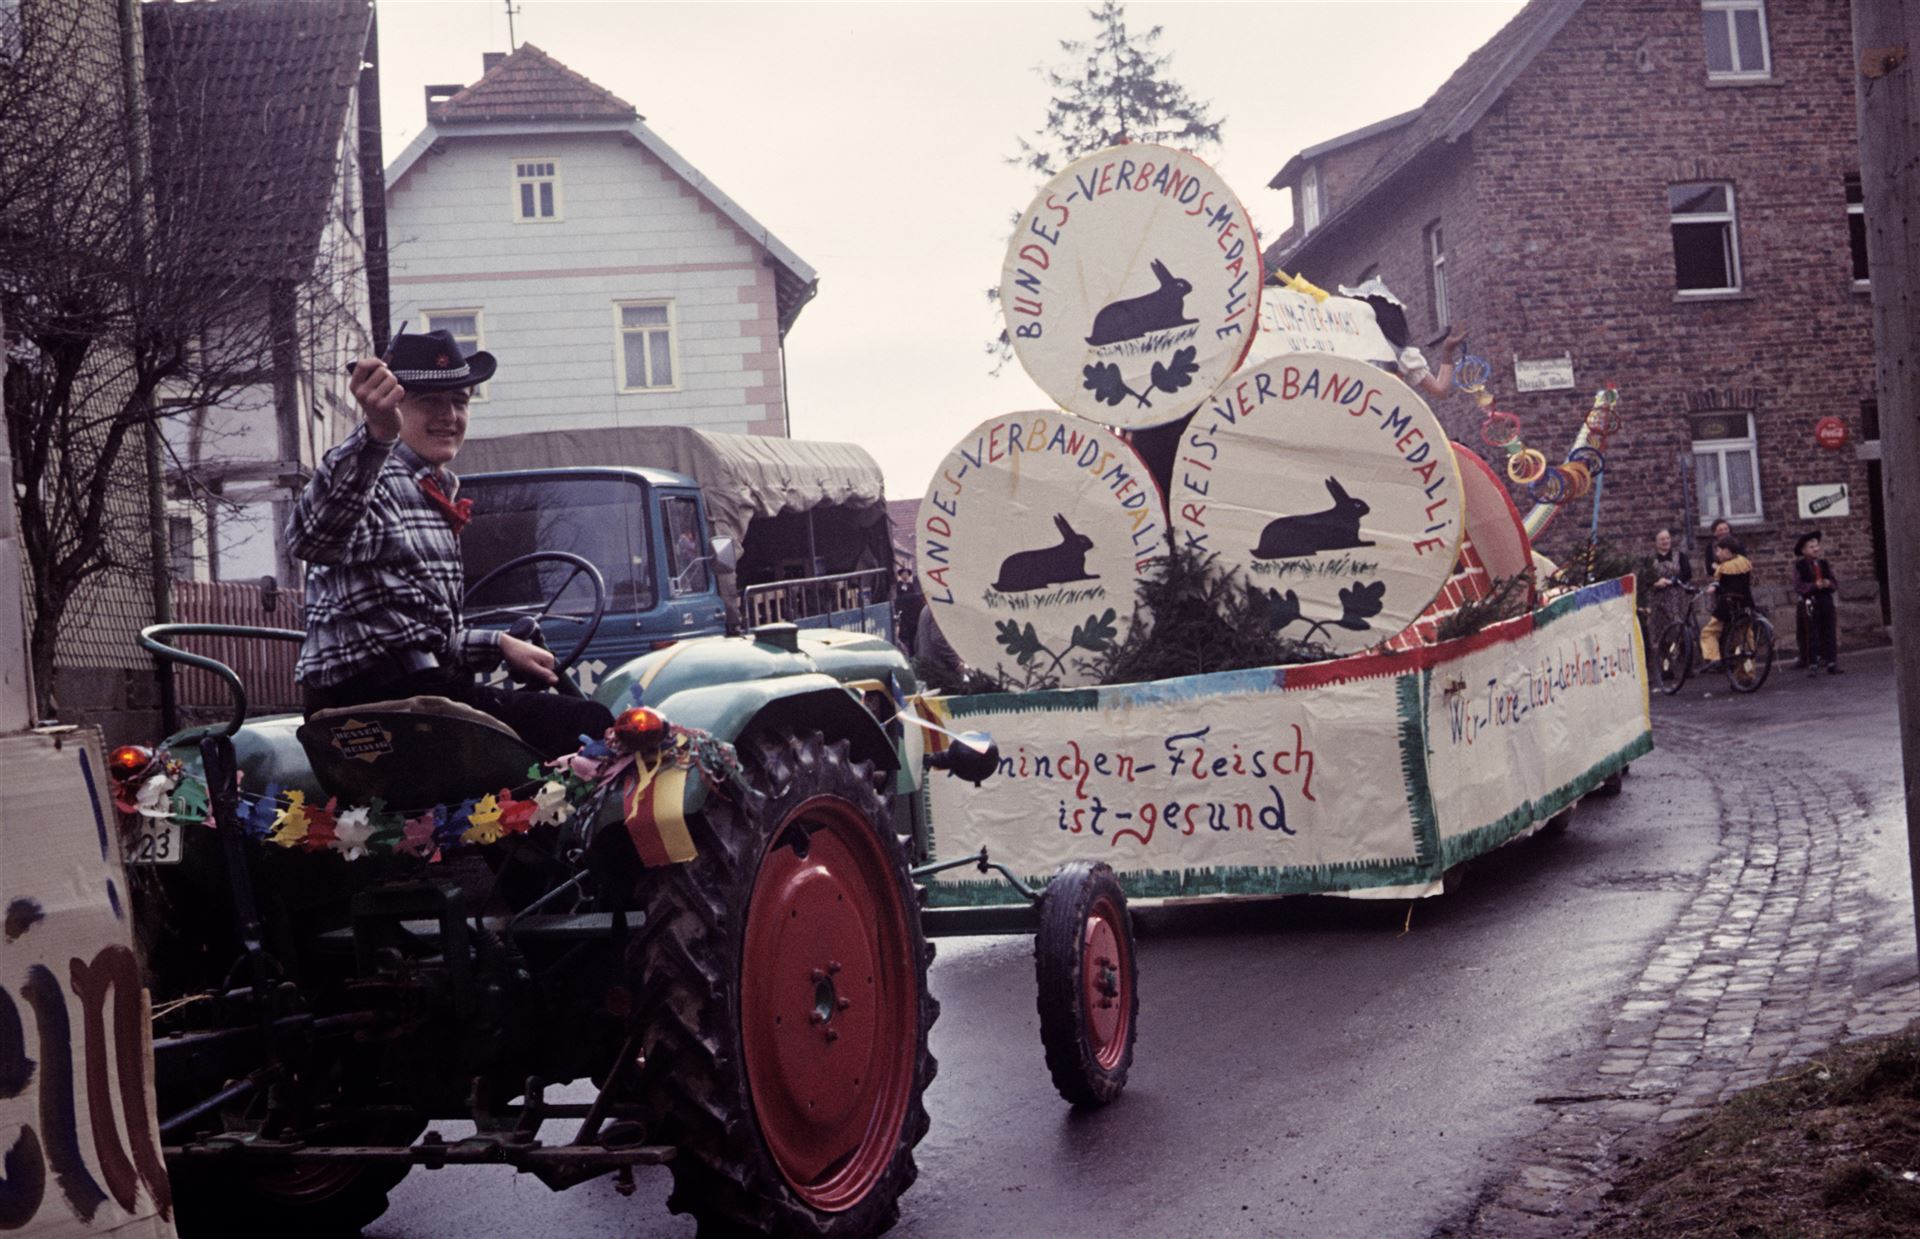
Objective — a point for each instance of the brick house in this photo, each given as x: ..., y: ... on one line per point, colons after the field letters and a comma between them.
x: 1664, y: 195
x: 539, y: 217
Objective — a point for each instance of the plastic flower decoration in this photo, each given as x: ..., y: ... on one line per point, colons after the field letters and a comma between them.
x: 483, y: 821
x: 351, y: 830
x: 549, y: 805
x: 290, y: 823
x: 155, y: 797
x: 417, y: 837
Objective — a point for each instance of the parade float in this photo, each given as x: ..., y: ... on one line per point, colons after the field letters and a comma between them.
x: 361, y: 923
x: 1430, y: 727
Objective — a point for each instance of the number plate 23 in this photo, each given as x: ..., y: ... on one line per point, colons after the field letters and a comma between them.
x: 154, y: 841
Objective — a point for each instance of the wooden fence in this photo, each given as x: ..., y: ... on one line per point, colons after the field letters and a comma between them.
x: 265, y: 666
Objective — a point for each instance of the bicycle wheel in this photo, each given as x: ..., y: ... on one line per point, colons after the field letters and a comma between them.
x: 1673, y: 657
x: 1749, y: 657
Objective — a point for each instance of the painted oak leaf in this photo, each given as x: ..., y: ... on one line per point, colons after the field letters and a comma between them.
x: 1282, y: 609
x: 1022, y: 644
x: 1106, y: 383
x: 1171, y: 378
x: 1360, y: 602
x: 1097, y: 633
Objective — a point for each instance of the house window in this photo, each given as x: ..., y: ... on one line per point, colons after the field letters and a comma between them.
x: 464, y: 325
x: 1437, y: 265
x: 1726, y: 467
x: 646, y: 345
x: 1310, y: 201
x: 1857, y: 229
x: 1706, y: 247
x: 536, y: 191
x: 1736, y: 37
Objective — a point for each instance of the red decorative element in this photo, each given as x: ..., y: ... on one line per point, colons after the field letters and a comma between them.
x: 1106, y: 977
x: 459, y: 515
x: 516, y: 816
x: 828, y: 1003
x: 130, y: 761
x: 443, y: 362
x: 1830, y: 433
x: 637, y: 729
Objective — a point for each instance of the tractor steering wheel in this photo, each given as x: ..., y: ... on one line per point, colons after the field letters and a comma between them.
x: 589, y: 623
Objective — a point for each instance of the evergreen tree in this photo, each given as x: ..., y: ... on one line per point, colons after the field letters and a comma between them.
x: 1113, y: 88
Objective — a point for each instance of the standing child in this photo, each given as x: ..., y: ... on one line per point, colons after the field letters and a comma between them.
x: 1732, y: 580
x: 1813, y: 580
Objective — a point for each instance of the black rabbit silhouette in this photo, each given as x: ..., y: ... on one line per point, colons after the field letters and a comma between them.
x: 1133, y: 317
x: 1335, y: 529
x: 1052, y: 565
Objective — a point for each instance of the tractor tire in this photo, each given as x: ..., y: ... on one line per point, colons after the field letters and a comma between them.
x: 782, y: 1004
x: 1089, y: 983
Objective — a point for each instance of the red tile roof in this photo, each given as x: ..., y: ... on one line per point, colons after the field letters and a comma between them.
x: 530, y: 85
x: 247, y: 102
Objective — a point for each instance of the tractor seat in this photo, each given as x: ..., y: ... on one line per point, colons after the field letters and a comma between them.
x: 413, y: 753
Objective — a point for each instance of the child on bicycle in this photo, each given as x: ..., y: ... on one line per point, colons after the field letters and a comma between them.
x: 1732, y: 588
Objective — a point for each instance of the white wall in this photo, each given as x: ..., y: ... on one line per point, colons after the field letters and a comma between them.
x: 630, y: 230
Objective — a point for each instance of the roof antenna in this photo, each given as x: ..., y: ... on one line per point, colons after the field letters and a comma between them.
x: 512, y: 46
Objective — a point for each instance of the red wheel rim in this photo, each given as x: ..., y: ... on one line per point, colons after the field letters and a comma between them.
x: 1106, y: 983
x: 829, y: 1004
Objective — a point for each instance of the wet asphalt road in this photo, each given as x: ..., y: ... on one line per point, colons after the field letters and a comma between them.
x: 1307, y: 1067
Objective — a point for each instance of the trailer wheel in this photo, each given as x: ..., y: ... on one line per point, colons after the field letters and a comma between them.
x: 783, y: 1006
x: 1089, y: 983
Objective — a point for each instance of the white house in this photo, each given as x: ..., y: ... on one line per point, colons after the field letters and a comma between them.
x: 538, y: 217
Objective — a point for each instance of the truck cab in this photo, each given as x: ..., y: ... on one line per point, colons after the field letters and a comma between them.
x: 646, y: 531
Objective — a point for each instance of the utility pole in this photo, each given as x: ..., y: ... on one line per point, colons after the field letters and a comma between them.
x: 512, y: 46
x: 1886, y: 65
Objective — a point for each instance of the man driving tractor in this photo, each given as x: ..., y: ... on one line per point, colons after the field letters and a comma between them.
x: 379, y: 526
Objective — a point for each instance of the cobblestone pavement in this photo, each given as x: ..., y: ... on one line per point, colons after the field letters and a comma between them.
x: 1765, y: 966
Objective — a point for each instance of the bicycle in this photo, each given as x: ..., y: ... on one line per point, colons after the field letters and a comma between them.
x: 1746, y: 647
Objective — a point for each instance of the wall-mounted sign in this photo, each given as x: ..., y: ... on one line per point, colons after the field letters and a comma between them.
x: 1827, y: 500
x: 1131, y: 286
x: 1546, y: 374
x: 1830, y: 433
x: 1030, y: 540
x: 1329, y: 485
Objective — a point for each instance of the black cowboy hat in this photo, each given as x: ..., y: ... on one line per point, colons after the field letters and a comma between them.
x: 433, y: 362
x: 1800, y: 546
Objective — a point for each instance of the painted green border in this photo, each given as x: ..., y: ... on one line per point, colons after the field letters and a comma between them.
x: 1483, y: 839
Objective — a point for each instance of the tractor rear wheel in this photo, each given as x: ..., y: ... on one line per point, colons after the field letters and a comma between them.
x: 782, y: 1003
x: 1089, y: 984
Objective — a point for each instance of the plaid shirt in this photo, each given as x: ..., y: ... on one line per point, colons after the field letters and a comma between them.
x: 383, y: 566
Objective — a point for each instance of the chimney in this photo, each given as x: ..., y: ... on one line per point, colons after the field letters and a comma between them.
x: 490, y: 59
x: 437, y: 95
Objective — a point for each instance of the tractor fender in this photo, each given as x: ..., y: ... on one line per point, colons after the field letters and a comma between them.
x: 800, y: 703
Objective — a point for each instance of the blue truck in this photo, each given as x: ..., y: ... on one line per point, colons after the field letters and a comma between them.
x: 695, y: 533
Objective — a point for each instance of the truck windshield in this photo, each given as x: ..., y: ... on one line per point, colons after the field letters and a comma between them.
x: 600, y: 519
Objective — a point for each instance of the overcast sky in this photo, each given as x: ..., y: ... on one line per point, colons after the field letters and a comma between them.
x: 872, y: 138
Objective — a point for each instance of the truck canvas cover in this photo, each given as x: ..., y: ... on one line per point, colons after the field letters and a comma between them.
x: 743, y: 476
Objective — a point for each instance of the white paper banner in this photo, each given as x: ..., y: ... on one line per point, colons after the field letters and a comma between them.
x: 1292, y: 322
x: 1329, y: 484
x: 1030, y: 541
x: 1131, y: 285
x: 78, y: 1132
x: 1367, y: 776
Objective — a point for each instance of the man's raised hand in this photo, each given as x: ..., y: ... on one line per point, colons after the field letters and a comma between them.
x: 379, y: 395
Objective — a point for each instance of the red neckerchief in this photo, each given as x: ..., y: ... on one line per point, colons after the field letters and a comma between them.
x: 458, y: 514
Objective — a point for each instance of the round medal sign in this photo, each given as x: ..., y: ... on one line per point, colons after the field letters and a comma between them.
x: 1131, y: 285
x: 1029, y: 542
x: 1331, y: 487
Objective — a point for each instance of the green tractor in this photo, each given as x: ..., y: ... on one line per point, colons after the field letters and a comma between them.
x: 726, y: 940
